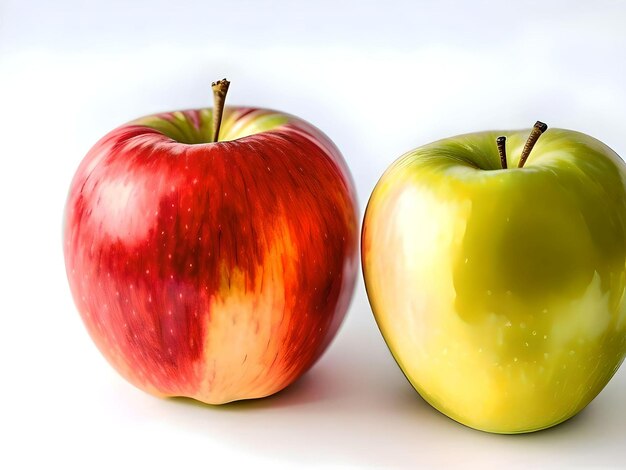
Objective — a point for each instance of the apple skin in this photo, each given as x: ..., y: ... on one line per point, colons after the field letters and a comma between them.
x: 500, y: 293
x: 217, y: 271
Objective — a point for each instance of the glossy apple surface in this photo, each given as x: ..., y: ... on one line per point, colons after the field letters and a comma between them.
x: 500, y: 293
x: 218, y: 271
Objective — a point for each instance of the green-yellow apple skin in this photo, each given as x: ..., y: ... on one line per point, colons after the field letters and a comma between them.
x: 500, y: 293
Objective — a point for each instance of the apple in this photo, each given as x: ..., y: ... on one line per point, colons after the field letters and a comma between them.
x: 499, y: 289
x: 216, y: 269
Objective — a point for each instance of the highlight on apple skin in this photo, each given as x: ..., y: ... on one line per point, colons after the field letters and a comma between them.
x: 500, y: 291
x: 217, y: 270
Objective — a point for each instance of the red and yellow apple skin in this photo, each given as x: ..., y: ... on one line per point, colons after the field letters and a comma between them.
x: 217, y: 271
x: 500, y: 293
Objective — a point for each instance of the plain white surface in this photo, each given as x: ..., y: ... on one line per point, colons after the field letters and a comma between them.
x: 379, y: 78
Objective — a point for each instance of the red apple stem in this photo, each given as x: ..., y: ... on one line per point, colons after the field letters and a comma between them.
x: 220, y: 88
x: 538, y: 129
x: 501, y: 142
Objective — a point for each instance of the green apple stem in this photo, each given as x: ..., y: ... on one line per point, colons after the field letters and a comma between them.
x: 538, y: 129
x: 220, y: 88
x: 501, y: 142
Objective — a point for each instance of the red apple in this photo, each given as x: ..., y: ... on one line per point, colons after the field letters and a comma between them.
x: 217, y: 270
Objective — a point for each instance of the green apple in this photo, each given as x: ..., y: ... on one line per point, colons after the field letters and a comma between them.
x: 500, y: 291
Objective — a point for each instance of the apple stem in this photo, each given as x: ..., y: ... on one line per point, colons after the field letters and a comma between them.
x: 220, y: 88
x: 538, y: 129
x: 501, y: 142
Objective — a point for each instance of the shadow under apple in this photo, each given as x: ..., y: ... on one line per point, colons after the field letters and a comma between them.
x: 355, y: 407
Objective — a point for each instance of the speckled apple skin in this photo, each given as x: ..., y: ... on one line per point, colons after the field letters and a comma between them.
x: 217, y: 271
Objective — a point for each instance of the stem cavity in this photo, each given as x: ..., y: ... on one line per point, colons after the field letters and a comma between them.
x: 538, y: 129
x: 220, y: 88
x: 501, y: 142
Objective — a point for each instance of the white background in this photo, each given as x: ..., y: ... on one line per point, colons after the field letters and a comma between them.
x: 379, y: 78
